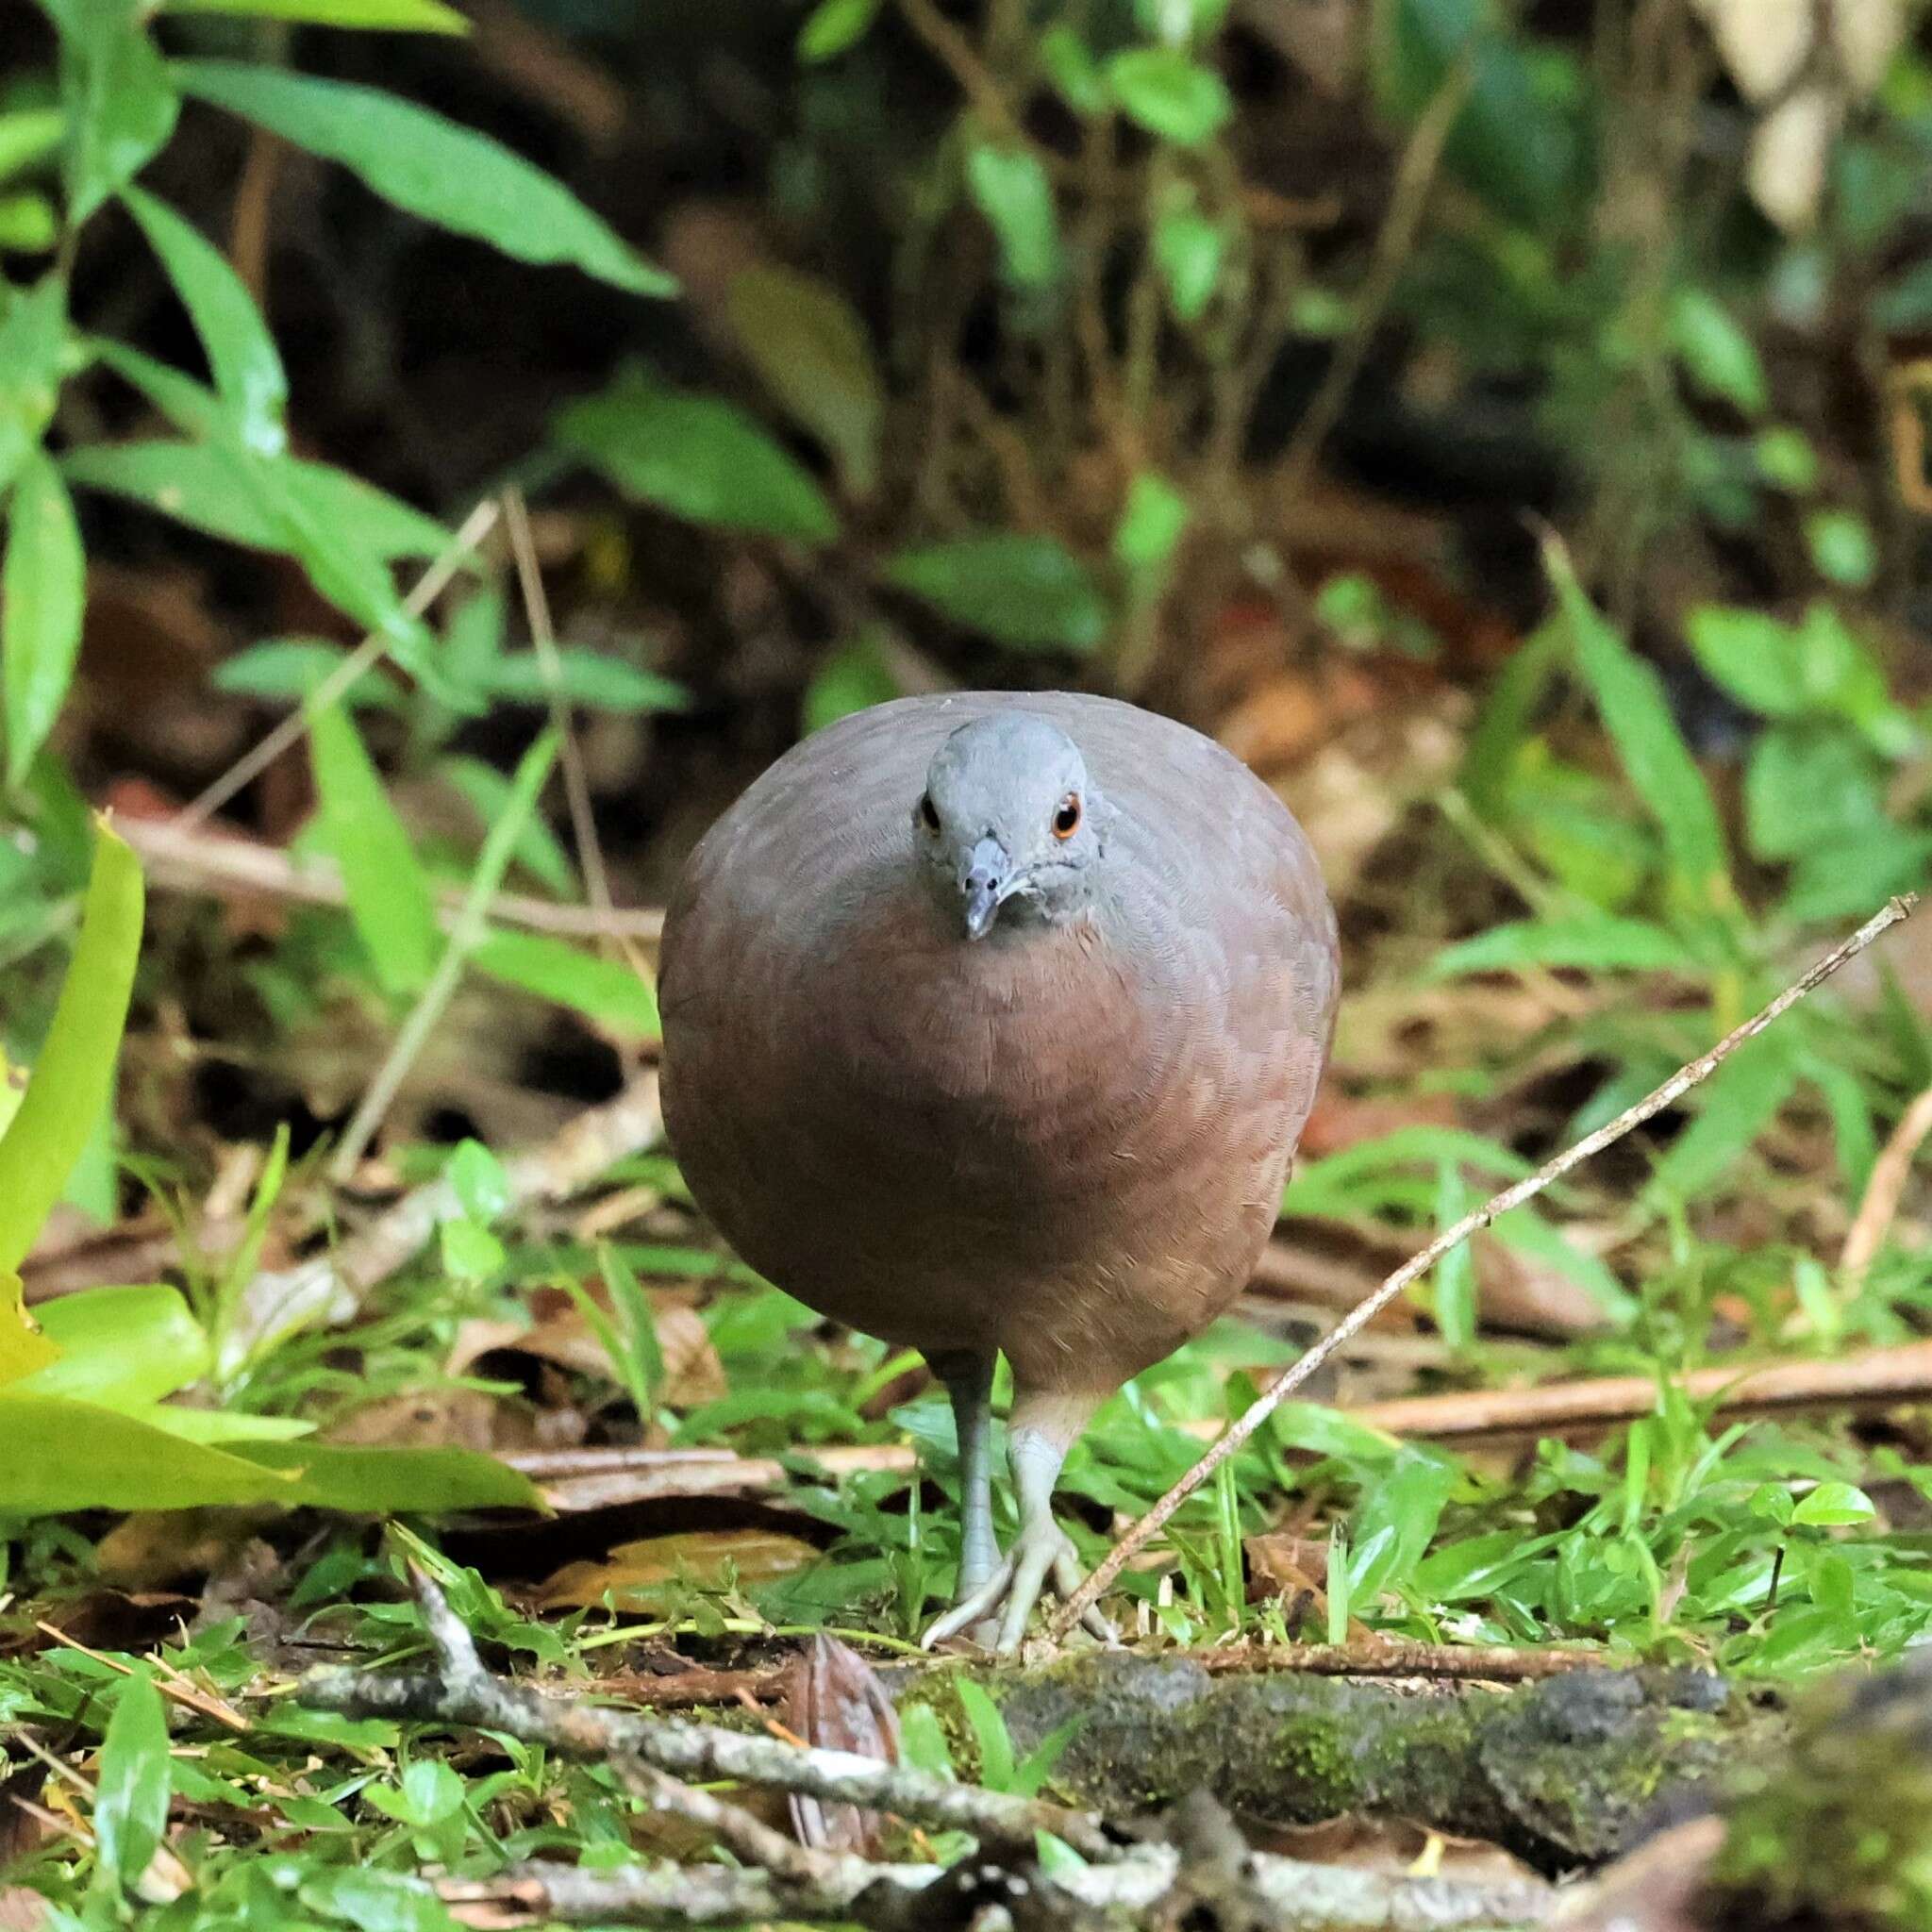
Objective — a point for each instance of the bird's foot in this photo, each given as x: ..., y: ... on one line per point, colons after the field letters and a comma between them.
x: 1041, y: 1550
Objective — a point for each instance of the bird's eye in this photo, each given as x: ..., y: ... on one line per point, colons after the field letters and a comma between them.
x: 928, y: 812
x: 1066, y: 821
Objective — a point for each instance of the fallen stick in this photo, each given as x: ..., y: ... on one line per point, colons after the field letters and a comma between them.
x: 195, y: 858
x: 331, y: 1288
x: 1292, y: 1377
x: 1885, y: 1189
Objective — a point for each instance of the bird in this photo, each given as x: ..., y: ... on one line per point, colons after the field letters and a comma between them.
x: 990, y: 1023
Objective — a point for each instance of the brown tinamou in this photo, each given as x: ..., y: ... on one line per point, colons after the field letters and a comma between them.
x: 990, y: 1025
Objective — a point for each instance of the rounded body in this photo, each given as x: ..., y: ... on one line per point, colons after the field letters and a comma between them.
x: 1066, y: 1142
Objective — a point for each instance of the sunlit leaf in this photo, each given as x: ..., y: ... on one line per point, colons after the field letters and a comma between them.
x: 409, y: 16
x: 1009, y: 187
x: 124, y: 1347
x: 389, y: 899
x: 428, y: 166
x: 119, y: 102
x: 242, y: 354
x: 73, y: 1076
x: 1169, y: 94
x: 25, y: 1348
x: 43, y: 591
x: 600, y: 988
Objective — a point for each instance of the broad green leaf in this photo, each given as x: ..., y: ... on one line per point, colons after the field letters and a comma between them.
x: 479, y: 1181
x: 287, y: 670
x: 698, y: 456
x: 31, y: 337
x: 584, y: 678
x: 1153, y: 520
x: 1845, y: 879
x: 1737, y: 1102
x: 602, y: 990
x: 79, y: 1456
x: 1812, y: 785
x: 428, y: 166
x: 1600, y: 945
x: 29, y: 136
x: 1068, y: 61
x: 1719, y: 357
x: 119, y: 103
x: 1843, y: 547
x: 407, y: 16
x: 42, y: 590
x: 25, y: 1347
x: 1752, y: 655
x: 1189, y: 250
x: 393, y: 1482
x: 191, y: 406
x: 1026, y: 591
x: 833, y: 25
x: 1630, y: 700
x: 1169, y: 94
x: 1833, y: 1504
x: 123, y: 1347
x: 28, y: 224
x: 192, y: 483
x: 1011, y: 189
x: 372, y: 1900
x: 73, y: 1077
x: 134, y: 1782
x: 390, y: 900
x: 811, y: 349
x: 242, y: 354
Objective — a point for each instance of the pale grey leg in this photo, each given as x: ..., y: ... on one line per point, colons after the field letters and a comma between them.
x: 969, y: 1381
x: 1041, y: 1431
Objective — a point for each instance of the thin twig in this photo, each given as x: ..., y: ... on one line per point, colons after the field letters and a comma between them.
x: 462, y: 1691
x: 1886, y: 1188
x: 371, y: 651
x: 332, y: 1287
x: 1358, y: 1318
x: 1392, y: 1656
x: 217, y: 863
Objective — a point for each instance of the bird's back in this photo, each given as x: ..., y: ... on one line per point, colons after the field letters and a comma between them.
x: 1066, y: 1142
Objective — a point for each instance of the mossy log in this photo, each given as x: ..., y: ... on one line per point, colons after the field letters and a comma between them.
x: 1561, y: 1771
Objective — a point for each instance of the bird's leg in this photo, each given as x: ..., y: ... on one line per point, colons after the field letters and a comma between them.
x: 969, y: 1381
x: 1039, y: 1432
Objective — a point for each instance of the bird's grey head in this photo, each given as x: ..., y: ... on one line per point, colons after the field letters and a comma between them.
x: 1009, y: 822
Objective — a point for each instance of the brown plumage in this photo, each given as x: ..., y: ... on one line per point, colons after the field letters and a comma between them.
x: 1065, y: 1139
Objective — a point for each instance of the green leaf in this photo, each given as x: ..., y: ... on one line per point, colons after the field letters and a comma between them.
x: 698, y: 456
x: 1754, y: 657
x: 833, y: 25
x: 1009, y: 188
x: 479, y: 1181
x: 1455, y: 1274
x: 134, y: 1783
x: 584, y: 678
x: 1845, y: 879
x: 1786, y: 459
x: 538, y: 849
x: 1024, y: 590
x: 811, y: 351
x: 286, y: 670
x: 390, y: 900
x: 1169, y: 94
x: 1068, y: 61
x: 602, y: 990
x: 1718, y: 356
x: 391, y: 1481
x: 29, y: 136
x: 428, y: 166
x: 73, y: 1077
x: 854, y: 676
x: 28, y: 224
x: 1189, y: 249
x: 1833, y: 1504
x: 1630, y: 700
x: 31, y: 336
x: 1598, y: 944
x: 196, y: 485
x: 84, y: 1456
x: 119, y: 101
x: 25, y: 1348
x: 42, y: 590
x: 242, y: 354
x: 404, y: 16
x: 374, y: 1901
x: 1843, y: 547
x: 1153, y: 520
x: 123, y: 1347
x: 1810, y: 785
x: 989, y: 1735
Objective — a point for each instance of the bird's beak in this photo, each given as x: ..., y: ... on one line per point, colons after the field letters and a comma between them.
x: 986, y: 881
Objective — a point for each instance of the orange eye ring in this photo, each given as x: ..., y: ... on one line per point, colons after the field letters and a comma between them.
x: 1066, y: 819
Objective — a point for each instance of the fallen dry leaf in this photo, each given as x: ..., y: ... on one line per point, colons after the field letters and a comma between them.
x: 709, y: 1559
x: 839, y: 1704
